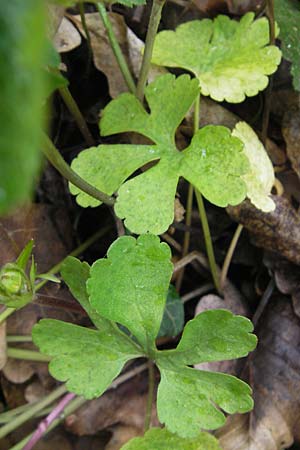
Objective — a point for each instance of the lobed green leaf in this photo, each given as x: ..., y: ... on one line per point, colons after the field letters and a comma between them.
x: 162, y: 439
x: 87, y: 360
x: 130, y: 286
x: 230, y: 59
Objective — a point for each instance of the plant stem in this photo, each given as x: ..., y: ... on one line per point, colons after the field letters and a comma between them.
x: 230, y: 253
x: 80, y: 249
x: 45, y: 423
x: 65, y: 170
x: 87, y: 34
x: 70, y: 408
x: 116, y: 48
x: 14, y: 339
x: 6, y: 313
x: 76, y: 113
x: 29, y: 355
x: 154, y: 21
x: 77, y: 402
x: 151, y: 386
x: 28, y: 414
x: 208, y: 241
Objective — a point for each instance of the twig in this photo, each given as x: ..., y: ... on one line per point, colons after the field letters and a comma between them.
x: 230, y: 253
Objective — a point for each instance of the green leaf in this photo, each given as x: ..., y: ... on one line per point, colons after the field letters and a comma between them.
x: 187, y: 397
x: 25, y: 254
x: 213, y: 335
x: 75, y: 274
x: 129, y: 3
x: 230, y: 59
x: 287, y: 13
x: 130, y: 286
x: 87, y: 360
x: 162, y: 439
x: 23, y: 89
x: 173, y: 318
x: 260, y: 178
x: 213, y: 163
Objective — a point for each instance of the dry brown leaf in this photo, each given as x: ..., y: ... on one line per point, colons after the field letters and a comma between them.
x: 67, y: 37
x: 55, y: 14
x: 122, y: 434
x: 233, y: 6
x: 291, y: 133
x: 275, y: 379
x: 103, y: 56
x: 278, y: 231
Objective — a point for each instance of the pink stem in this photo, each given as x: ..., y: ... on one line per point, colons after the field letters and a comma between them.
x: 44, y: 424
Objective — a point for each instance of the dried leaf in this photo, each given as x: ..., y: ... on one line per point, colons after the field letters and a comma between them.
x: 291, y: 134
x: 67, y: 37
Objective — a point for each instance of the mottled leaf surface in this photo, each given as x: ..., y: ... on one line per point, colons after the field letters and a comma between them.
x: 191, y: 395
x: 213, y: 163
x: 130, y: 286
x: 87, y: 360
x: 162, y: 439
x: 214, y: 335
x: 287, y: 13
x: 260, y: 178
x: 230, y: 59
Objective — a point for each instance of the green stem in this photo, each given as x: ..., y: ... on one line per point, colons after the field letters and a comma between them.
x: 28, y: 414
x: 28, y: 355
x: 208, y: 241
x: 87, y: 34
x: 78, y: 251
x: 76, y: 113
x: 230, y: 253
x: 151, y: 386
x: 202, y: 213
x: 187, y: 233
x: 154, y: 21
x: 6, y: 313
x: 17, y: 339
x: 116, y: 48
x: 65, y: 170
x: 72, y: 406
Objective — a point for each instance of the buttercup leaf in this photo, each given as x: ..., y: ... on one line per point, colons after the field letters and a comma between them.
x: 130, y: 286
x: 213, y: 163
x: 230, y: 59
x: 260, y: 178
x: 287, y: 13
x: 190, y: 395
x: 75, y: 274
x: 213, y: 335
x: 87, y: 360
x: 162, y: 439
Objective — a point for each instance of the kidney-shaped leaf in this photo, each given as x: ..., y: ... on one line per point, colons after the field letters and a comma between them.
x: 87, y: 360
x: 191, y: 394
x: 213, y: 335
x: 213, y: 163
x: 230, y: 59
x: 162, y: 439
x: 260, y: 179
x: 130, y: 286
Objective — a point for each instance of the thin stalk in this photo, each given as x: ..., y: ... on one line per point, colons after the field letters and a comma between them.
x: 208, y: 241
x: 28, y: 355
x: 73, y: 406
x: 26, y: 415
x: 76, y: 113
x: 6, y: 313
x: 154, y: 21
x: 230, y: 253
x: 116, y: 48
x: 78, y: 251
x: 45, y: 423
x: 16, y: 339
x: 87, y: 34
x: 65, y: 170
x: 151, y: 386
x: 79, y: 401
